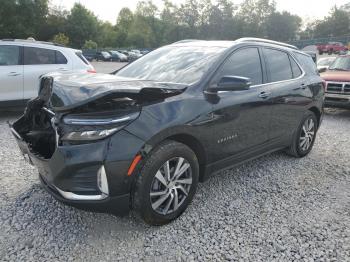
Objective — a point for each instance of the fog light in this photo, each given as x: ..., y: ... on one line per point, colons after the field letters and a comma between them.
x: 102, y: 180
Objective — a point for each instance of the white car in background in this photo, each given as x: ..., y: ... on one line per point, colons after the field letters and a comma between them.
x: 324, y: 63
x: 23, y: 62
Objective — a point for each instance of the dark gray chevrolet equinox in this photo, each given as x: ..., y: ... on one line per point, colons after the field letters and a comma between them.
x: 143, y: 137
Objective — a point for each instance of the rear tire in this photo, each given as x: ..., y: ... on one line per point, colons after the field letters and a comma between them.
x: 304, y: 137
x: 166, y: 183
x: 330, y: 52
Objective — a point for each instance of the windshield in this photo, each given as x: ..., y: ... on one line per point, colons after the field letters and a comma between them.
x: 342, y: 63
x: 185, y: 65
x: 325, y: 61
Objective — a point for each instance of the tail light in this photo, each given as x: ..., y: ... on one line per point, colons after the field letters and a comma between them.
x: 93, y: 71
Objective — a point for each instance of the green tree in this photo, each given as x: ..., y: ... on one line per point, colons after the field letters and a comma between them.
x: 55, y: 22
x: 107, y: 35
x: 22, y: 18
x: 82, y: 25
x: 124, y: 22
x: 61, y: 39
x: 89, y: 44
x: 335, y: 24
x: 282, y: 26
x: 254, y: 15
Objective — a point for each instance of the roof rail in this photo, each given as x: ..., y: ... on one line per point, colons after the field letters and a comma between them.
x: 30, y: 41
x: 261, y: 40
x: 186, y: 41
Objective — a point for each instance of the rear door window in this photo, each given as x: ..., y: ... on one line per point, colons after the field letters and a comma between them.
x: 9, y: 55
x: 39, y: 56
x: 307, y: 63
x: 295, y: 68
x: 60, y: 58
x: 278, y: 65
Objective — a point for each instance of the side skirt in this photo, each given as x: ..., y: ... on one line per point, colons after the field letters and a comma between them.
x: 243, y: 157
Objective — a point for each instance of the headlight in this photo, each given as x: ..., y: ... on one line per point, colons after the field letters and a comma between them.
x: 90, y: 135
x: 97, y: 128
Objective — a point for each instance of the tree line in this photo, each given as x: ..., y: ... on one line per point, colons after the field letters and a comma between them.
x: 149, y: 26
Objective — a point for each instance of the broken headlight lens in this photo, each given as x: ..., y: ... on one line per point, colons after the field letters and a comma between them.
x: 90, y: 135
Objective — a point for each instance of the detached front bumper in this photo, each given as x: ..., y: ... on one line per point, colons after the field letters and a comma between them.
x: 337, y: 100
x: 71, y: 174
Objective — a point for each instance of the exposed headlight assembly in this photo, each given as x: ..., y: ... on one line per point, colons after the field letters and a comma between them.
x: 97, y: 132
x: 90, y: 135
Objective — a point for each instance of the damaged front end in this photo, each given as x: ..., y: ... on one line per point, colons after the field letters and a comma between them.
x: 68, y: 113
x: 67, y: 133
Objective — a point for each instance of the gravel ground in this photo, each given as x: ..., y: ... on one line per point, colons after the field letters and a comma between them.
x: 275, y: 208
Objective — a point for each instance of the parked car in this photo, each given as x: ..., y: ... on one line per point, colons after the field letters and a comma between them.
x: 144, y: 137
x: 118, y: 57
x: 103, y: 56
x: 324, y: 62
x: 134, y: 56
x: 337, y: 80
x: 145, y: 51
x: 23, y: 62
x: 332, y: 48
x: 89, y: 54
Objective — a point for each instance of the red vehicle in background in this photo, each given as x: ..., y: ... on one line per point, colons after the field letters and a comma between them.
x: 332, y: 48
x: 337, y: 79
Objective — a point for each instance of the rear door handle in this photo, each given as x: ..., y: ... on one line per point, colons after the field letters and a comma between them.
x: 264, y: 94
x: 14, y: 74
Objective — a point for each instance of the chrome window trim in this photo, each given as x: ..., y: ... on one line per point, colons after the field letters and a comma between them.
x: 291, y: 55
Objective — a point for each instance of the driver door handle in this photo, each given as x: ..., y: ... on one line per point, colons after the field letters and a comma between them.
x: 264, y: 94
x: 14, y: 74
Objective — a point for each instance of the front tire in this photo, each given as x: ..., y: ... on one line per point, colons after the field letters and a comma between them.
x: 166, y: 183
x: 304, y: 137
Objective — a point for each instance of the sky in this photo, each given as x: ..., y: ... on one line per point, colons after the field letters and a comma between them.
x: 108, y: 10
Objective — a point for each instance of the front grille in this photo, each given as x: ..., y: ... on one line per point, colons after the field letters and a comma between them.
x: 338, y: 88
x: 334, y: 88
x: 347, y: 89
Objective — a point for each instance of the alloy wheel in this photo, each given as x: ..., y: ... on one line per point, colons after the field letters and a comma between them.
x: 307, y: 134
x: 171, y: 186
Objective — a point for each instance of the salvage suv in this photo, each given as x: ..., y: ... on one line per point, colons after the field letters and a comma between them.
x: 143, y: 137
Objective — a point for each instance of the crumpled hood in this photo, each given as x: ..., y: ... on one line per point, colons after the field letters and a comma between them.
x: 73, y: 90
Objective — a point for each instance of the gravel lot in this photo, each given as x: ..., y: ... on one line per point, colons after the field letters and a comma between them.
x: 275, y: 208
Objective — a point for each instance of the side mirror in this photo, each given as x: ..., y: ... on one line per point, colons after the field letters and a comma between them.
x: 231, y: 83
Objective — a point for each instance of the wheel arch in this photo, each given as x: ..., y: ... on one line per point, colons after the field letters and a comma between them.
x: 186, y: 138
x: 317, y: 112
x: 196, y: 146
